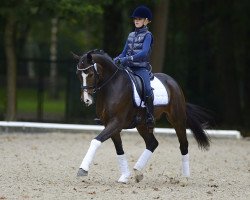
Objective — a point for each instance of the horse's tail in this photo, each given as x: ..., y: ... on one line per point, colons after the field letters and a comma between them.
x: 197, y: 120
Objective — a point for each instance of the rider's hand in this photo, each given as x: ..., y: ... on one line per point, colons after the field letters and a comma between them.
x: 116, y: 60
x: 124, y: 60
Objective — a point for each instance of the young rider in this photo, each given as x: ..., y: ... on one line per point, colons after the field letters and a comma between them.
x: 136, y: 55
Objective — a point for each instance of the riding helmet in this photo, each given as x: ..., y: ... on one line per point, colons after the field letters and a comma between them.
x: 142, y: 12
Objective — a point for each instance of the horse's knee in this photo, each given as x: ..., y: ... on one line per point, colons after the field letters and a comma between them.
x: 152, y: 145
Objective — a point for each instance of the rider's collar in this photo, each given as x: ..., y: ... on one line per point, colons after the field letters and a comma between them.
x: 141, y: 29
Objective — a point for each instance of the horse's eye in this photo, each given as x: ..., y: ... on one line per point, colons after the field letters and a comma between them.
x: 91, y: 74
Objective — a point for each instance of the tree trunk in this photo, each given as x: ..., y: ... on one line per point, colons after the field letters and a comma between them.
x: 11, y: 68
x: 226, y: 71
x: 160, y: 21
x: 112, y: 29
x: 240, y: 43
x: 53, y: 90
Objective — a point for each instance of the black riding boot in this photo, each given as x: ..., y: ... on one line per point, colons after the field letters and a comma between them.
x: 150, y: 111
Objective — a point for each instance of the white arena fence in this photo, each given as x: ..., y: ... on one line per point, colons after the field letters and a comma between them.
x: 33, y: 127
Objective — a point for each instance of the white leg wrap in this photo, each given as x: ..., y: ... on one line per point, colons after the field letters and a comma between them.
x: 124, y: 168
x: 185, y: 165
x: 90, y: 154
x: 142, y: 161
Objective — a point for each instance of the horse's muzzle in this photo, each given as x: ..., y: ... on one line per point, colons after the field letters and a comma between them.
x: 87, y: 98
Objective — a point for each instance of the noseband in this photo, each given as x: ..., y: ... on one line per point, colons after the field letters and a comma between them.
x: 95, y: 87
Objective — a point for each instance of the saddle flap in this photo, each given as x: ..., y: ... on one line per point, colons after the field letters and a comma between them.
x: 138, y: 82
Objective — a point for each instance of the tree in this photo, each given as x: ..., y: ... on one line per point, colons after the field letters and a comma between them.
x: 112, y: 29
x: 160, y: 22
x: 53, y: 58
x: 13, y: 13
x: 11, y: 67
x: 24, y: 12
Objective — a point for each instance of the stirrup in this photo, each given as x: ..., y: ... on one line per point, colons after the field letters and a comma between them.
x: 98, y: 121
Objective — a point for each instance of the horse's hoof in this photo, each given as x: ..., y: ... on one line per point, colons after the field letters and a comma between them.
x: 82, y: 172
x: 184, y: 181
x: 123, y: 179
x: 138, y: 176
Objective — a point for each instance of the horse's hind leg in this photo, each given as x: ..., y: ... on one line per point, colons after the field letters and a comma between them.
x: 179, y: 124
x: 151, y: 145
x: 121, y: 158
x: 182, y: 137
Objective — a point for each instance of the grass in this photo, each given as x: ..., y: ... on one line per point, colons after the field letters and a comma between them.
x: 2, y: 100
x: 27, y: 102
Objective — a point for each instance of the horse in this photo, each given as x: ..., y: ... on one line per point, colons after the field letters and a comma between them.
x: 113, y: 90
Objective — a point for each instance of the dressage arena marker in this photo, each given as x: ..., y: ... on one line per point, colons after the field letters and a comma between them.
x: 29, y: 127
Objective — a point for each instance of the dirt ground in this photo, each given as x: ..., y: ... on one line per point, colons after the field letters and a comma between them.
x: 44, y: 166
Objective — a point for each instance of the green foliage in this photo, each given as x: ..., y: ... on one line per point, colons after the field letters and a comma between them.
x: 206, y: 50
x: 28, y: 102
x: 30, y: 10
x: 2, y: 100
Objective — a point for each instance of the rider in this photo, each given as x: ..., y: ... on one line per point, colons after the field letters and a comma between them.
x: 136, y: 55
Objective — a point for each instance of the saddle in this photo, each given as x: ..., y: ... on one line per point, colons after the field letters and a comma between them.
x: 161, y: 97
x: 138, y: 81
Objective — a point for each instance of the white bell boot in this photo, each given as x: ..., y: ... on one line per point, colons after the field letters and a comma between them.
x: 185, y: 165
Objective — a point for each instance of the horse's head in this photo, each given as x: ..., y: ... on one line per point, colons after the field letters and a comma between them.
x: 95, y: 70
x: 88, y: 75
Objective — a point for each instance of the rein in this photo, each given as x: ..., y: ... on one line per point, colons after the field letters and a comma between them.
x: 95, y: 87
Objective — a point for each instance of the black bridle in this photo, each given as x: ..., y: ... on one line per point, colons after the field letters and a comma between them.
x: 95, y: 87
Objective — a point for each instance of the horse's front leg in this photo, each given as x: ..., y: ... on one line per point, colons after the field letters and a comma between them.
x: 121, y: 158
x: 108, y: 131
x: 84, y: 167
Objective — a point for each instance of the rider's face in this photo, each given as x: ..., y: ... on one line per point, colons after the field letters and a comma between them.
x: 139, y: 22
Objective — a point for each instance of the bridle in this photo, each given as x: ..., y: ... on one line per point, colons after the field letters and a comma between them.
x: 95, y: 87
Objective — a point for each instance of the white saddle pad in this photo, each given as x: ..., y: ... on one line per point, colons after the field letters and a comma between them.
x: 160, y: 94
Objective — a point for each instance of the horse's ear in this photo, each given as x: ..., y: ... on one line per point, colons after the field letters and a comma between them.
x: 75, y: 56
x: 89, y: 57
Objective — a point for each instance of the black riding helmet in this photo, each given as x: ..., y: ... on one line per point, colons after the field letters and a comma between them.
x: 142, y: 12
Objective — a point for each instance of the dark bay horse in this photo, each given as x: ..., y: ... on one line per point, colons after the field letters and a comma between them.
x: 115, y: 107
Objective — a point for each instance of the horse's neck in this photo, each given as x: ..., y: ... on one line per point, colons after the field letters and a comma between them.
x: 114, y: 81
x: 105, y: 63
x: 110, y: 72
